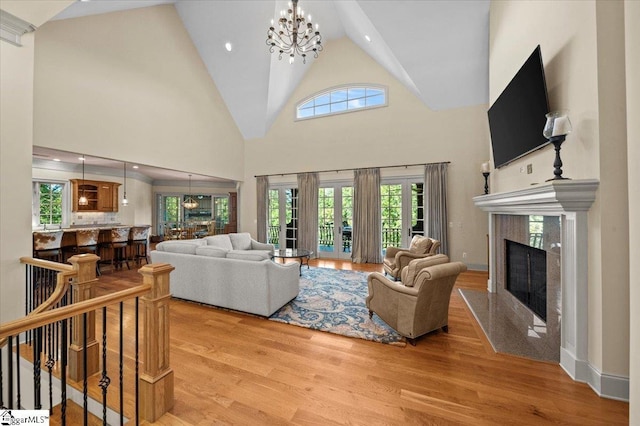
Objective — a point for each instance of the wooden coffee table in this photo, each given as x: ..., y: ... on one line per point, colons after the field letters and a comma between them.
x: 299, y: 254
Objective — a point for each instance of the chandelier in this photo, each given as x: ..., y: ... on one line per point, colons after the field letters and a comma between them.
x: 189, y: 203
x: 294, y: 34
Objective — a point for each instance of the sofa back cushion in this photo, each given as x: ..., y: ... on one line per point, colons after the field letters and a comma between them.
x: 211, y: 251
x: 184, y: 247
x: 256, y: 255
x: 221, y: 241
x: 241, y: 241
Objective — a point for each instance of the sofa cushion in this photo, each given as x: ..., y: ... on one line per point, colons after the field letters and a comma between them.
x: 222, y: 241
x: 184, y: 247
x: 241, y: 241
x: 248, y: 255
x: 211, y: 251
x: 420, y: 244
x: 411, y: 271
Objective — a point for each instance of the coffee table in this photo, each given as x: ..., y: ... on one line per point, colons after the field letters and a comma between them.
x: 299, y: 254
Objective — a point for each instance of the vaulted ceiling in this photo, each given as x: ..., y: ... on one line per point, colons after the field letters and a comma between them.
x: 437, y: 49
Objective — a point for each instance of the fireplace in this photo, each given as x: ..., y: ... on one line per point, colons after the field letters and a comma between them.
x: 527, y: 276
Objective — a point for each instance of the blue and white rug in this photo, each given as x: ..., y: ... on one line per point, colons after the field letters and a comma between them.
x: 334, y: 301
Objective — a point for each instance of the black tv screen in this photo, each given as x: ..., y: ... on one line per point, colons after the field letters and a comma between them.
x: 517, y: 117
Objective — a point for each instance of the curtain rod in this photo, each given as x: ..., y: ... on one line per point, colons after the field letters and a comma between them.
x: 346, y: 170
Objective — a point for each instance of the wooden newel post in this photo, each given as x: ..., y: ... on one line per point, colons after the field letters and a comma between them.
x: 82, y: 289
x: 156, y: 379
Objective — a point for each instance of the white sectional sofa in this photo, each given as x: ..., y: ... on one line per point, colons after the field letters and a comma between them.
x: 231, y: 271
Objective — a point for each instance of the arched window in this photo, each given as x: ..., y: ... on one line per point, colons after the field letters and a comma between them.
x: 338, y: 100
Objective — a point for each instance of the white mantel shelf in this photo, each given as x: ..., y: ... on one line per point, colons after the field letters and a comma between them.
x: 551, y: 197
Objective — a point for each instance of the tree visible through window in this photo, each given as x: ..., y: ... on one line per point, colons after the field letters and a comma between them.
x: 341, y: 99
x: 50, y: 203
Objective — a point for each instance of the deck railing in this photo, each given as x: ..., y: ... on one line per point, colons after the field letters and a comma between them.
x: 61, y: 336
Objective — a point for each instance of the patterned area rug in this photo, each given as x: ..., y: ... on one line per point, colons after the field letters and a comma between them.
x: 334, y: 301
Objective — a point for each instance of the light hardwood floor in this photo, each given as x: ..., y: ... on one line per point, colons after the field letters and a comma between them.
x: 232, y: 368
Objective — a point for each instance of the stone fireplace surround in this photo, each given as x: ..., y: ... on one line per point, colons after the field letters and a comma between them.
x: 571, y: 201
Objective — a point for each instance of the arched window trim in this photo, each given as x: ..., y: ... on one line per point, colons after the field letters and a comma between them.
x: 328, y: 91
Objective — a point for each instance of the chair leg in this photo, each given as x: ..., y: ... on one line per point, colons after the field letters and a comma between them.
x: 411, y: 341
x: 370, y: 314
x: 445, y: 328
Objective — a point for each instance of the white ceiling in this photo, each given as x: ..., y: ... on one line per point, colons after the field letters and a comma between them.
x: 438, y: 49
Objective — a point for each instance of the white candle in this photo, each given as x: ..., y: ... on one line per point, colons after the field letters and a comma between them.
x: 561, y: 126
x: 485, y: 167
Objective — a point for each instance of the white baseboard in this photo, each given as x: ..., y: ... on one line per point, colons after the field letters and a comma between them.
x: 605, y: 385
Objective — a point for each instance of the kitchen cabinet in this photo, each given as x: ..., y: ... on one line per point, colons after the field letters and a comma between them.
x: 101, y: 196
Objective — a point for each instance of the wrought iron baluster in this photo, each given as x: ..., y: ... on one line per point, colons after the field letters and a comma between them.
x: 121, y: 363
x: 137, y: 375
x: 104, y: 380
x: 85, y: 404
x: 63, y: 372
x: 18, y: 396
x: 10, y: 372
x: 1, y: 382
x: 37, y: 369
x: 49, y: 364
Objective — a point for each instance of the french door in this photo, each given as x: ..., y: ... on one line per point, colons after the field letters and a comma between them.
x: 335, y: 221
x: 403, y: 214
x: 282, y: 226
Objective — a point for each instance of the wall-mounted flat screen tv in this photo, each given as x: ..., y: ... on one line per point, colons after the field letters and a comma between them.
x: 517, y: 117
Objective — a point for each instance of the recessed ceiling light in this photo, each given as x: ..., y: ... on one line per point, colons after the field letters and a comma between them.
x: 56, y: 159
x: 366, y: 37
x: 228, y: 46
x: 135, y: 167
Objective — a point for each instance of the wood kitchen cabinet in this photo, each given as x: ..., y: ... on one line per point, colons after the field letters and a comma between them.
x: 102, y: 196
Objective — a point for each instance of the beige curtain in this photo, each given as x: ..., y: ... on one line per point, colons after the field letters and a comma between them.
x: 262, y: 198
x: 435, y: 188
x: 308, y: 211
x: 367, y: 227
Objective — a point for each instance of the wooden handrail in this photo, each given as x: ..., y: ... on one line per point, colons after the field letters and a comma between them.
x: 21, y: 325
x: 46, y: 264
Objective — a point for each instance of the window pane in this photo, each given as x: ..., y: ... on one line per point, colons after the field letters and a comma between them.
x: 324, y: 109
x: 339, y: 95
x: 340, y: 106
x: 356, y: 103
x: 374, y: 92
x: 322, y: 100
x: 356, y: 93
x: 304, y: 113
x: 375, y: 100
x: 308, y: 104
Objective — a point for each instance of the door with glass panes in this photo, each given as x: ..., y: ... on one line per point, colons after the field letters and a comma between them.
x: 282, y: 220
x: 402, y: 204
x: 335, y: 221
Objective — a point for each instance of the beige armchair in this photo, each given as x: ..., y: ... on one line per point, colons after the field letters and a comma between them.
x: 420, y: 303
x: 396, y: 259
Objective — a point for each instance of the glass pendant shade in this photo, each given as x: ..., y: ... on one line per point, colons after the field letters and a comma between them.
x: 558, y: 124
x: 189, y: 203
x: 83, y: 201
x: 125, y: 202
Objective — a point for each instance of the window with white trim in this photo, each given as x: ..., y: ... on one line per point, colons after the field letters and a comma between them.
x: 339, y: 100
x: 49, y: 201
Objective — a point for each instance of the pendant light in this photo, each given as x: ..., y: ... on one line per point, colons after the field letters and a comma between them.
x: 125, y: 202
x: 82, y: 201
x: 189, y: 203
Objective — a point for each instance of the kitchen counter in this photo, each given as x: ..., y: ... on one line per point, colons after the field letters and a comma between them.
x: 69, y: 235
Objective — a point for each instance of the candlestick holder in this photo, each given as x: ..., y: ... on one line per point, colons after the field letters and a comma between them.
x: 486, y: 182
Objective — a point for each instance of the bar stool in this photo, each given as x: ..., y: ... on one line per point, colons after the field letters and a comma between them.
x: 139, y: 242
x: 48, y: 245
x: 116, y: 245
x: 87, y: 242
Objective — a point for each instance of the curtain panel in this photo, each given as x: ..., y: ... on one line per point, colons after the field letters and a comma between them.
x: 262, y: 198
x: 367, y: 227
x: 435, y: 188
x: 308, y: 211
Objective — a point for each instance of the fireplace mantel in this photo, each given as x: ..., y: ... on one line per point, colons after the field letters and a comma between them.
x: 552, y: 198
x: 571, y: 201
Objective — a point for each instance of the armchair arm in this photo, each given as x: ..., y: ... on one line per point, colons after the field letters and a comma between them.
x: 377, y: 281
x: 392, y: 251
x: 404, y: 257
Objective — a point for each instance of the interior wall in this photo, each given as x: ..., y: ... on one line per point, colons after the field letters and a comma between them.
x: 404, y: 132
x: 632, y: 61
x: 16, y: 139
x: 568, y: 33
x: 131, y: 86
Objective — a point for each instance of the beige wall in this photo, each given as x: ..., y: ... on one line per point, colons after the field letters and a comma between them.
x: 131, y: 86
x: 575, y: 39
x: 16, y: 137
x: 632, y: 33
x: 405, y: 132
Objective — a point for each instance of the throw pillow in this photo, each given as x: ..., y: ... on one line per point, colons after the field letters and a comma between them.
x: 178, y: 247
x: 241, y: 241
x: 221, y: 241
x: 255, y: 255
x: 211, y: 251
x: 420, y: 244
